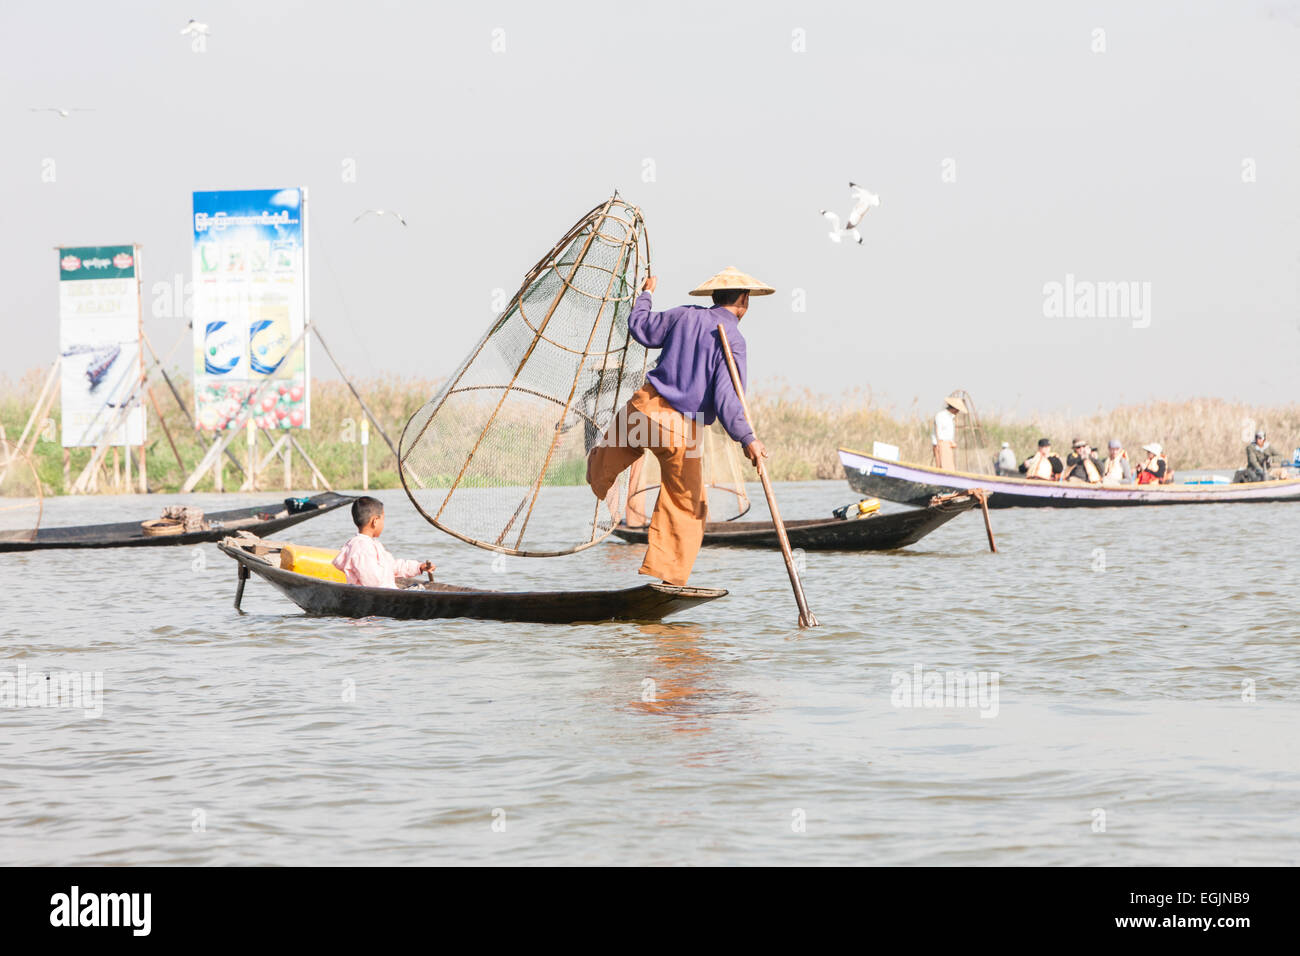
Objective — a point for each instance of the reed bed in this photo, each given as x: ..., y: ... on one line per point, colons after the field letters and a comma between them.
x: 801, y: 429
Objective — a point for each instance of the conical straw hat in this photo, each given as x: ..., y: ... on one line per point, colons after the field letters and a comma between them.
x: 732, y: 278
x: 956, y: 403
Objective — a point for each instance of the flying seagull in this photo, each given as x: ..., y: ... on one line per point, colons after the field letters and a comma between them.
x: 63, y: 111
x: 862, y: 201
x: 195, y: 29
x: 380, y: 212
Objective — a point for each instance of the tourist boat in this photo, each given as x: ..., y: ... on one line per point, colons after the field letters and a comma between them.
x: 428, y: 600
x: 874, y: 532
x: 917, y: 484
x: 258, y: 519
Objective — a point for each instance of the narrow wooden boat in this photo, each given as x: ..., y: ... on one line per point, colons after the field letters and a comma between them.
x: 131, y: 534
x: 429, y: 600
x: 877, y: 532
x: 916, y: 484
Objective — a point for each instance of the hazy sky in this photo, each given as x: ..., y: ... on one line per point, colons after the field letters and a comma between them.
x: 1119, y: 166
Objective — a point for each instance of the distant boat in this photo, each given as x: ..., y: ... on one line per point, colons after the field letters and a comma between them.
x: 917, y: 484
x: 100, y: 362
x: 877, y: 532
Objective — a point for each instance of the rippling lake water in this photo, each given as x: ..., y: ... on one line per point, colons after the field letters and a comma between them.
x: 1147, y: 662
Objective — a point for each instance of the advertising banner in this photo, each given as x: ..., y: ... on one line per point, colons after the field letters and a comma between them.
x: 250, y: 306
x: 99, y: 338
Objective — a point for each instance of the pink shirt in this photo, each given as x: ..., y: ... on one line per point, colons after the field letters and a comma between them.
x: 367, y: 562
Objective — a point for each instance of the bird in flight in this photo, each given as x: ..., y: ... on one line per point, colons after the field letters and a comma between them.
x: 63, y: 111
x: 862, y: 201
x: 194, y: 29
x: 380, y: 212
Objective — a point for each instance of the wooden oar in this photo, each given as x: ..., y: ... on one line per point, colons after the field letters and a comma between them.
x: 806, y: 618
x: 983, y: 497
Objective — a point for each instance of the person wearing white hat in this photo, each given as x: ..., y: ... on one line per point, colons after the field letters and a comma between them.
x: 689, y: 388
x: 1155, y: 469
x: 944, y: 436
x: 1006, y: 461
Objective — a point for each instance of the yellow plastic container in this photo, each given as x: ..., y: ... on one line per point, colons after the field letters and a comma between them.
x: 313, y: 562
x: 868, y: 506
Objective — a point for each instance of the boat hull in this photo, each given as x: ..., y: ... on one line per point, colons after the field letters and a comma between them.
x: 128, y: 534
x: 916, y: 484
x: 649, y: 602
x: 878, y: 532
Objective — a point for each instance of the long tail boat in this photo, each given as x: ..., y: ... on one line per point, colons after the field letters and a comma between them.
x: 258, y: 519
x: 917, y: 484
x: 429, y: 600
x: 876, y: 532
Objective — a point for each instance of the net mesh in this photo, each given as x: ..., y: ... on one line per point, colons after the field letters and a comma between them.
x: 487, y: 458
x: 21, y: 500
x: 724, y: 481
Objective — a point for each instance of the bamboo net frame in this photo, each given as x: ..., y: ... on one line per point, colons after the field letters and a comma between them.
x: 22, y: 502
x: 973, y: 453
x: 484, y: 458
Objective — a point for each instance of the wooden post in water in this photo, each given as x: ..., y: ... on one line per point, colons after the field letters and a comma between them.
x: 806, y: 618
x: 252, y: 455
x: 365, y: 461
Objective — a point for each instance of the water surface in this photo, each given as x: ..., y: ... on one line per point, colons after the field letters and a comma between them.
x: 1121, y: 639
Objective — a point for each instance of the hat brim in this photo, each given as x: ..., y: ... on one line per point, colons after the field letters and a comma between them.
x: 703, y: 291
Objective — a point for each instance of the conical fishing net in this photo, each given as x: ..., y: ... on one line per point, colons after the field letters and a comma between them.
x: 724, y: 480
x: 21, y: 500
x: 498, y: 457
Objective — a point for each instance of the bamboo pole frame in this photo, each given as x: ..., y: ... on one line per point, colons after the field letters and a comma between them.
x: 629, y: 246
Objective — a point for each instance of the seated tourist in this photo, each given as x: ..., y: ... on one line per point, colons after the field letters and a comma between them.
x: 367, y: 562
x: 1155, y: 468
x: 1260, y: 459
x: 1005, y: 464
x: 1116, y: 470
x: 1043, y: 465
x: 1082, y: 464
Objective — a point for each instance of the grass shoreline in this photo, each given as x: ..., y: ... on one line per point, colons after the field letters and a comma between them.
x: 801, y: 429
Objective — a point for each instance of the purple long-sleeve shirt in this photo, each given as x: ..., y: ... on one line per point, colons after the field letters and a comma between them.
x: 692, y: 373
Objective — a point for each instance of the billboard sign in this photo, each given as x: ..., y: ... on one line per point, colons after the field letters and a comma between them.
x: 99, y: 339
x: 250, y: 307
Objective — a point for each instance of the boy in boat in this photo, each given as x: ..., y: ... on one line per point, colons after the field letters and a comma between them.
x: 687, y: 390
x: 367, y: 562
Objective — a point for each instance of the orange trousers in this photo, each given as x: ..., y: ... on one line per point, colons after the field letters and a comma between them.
x: 677, y: 527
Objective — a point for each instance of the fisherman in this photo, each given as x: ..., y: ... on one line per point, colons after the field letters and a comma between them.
x: 688, y: 389
x: 1260, y: 456
x: 1043, y: 466
x: 1115, y: 470
x: 944, y: 437
x: 1155, y: 469
x: 1006, y: 461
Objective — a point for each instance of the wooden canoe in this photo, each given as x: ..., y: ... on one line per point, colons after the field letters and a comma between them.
x: 427, y: 601
x: 130, y: 534
x: 916, y: 484
x: 877, y: 532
